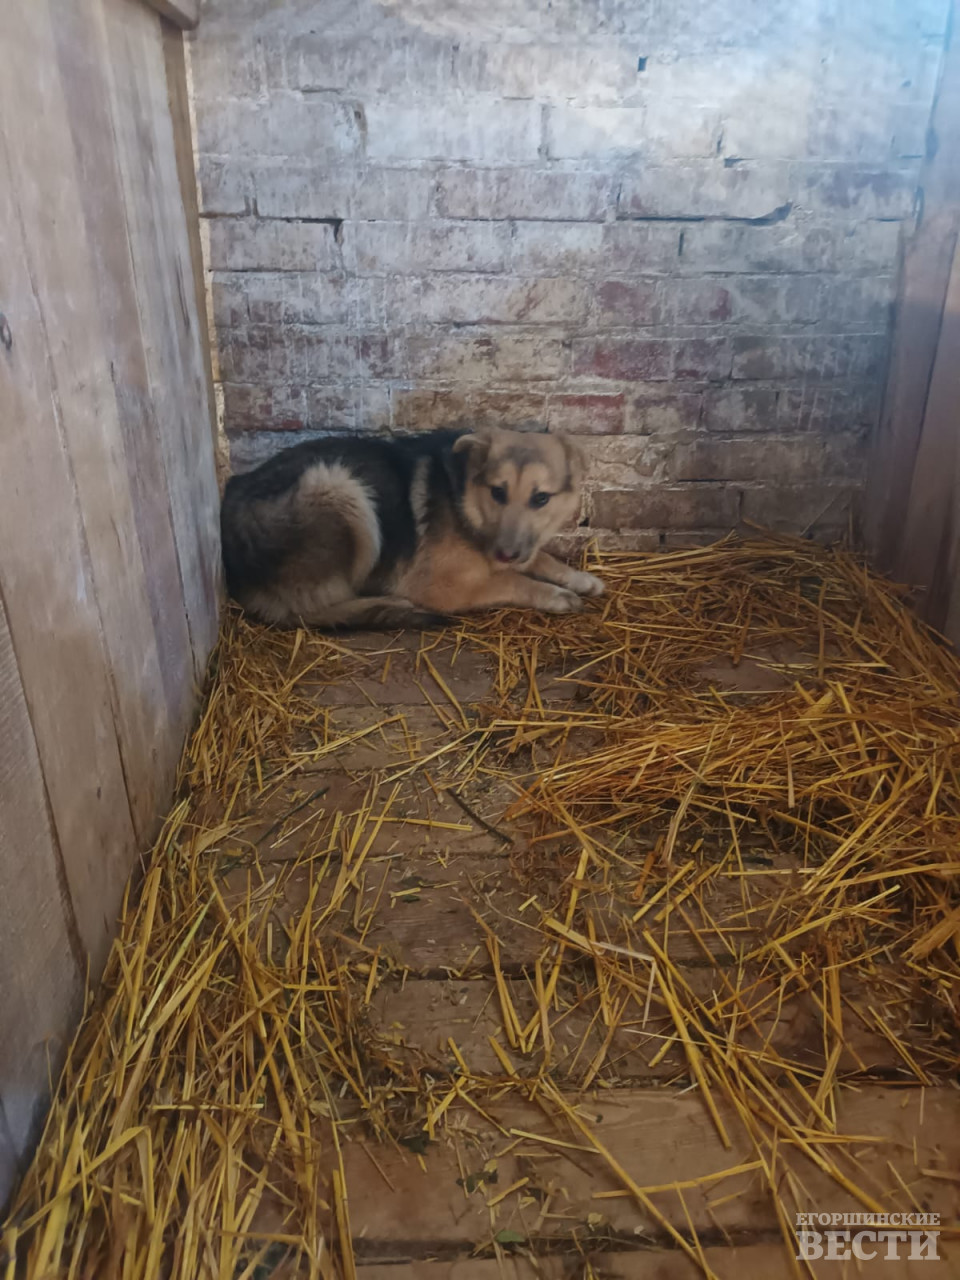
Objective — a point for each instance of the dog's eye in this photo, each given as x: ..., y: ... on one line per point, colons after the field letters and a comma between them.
x: 499, y: 494
x: 540, y: 499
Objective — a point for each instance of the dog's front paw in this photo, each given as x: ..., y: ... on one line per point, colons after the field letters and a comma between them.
x: 587, y: 584
x: 560, y: 600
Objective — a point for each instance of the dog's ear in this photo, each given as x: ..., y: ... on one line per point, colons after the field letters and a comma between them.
x: 477, y: 445
x: 576, y: 462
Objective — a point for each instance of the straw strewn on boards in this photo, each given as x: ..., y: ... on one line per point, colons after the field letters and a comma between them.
x: 744, y: 763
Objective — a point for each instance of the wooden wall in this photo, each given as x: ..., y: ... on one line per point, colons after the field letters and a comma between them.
x: 913, y: 496
x: 109, y: 555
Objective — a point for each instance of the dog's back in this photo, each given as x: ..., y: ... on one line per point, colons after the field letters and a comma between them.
x: 326, y: 521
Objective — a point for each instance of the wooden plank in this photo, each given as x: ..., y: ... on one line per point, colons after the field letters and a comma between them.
x: 184, y: 14
x: 57, y: 629
x: 767, y: 1261
x: 40, y: 956
x: 418, y: 1017
x: 400, y: 1209
x: 178, y: 377
x: 920, y: 307
x: 110, y: 425
x: 178, y: 96
x: 9, y: 1163
x: 933, y: 516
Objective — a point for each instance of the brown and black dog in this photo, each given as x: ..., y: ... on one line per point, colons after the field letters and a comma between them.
x: 399, y: 532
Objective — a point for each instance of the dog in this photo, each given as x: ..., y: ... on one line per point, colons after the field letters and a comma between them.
x: 404, y: 532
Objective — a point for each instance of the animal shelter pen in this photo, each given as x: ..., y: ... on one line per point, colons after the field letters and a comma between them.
x: 600, y: 946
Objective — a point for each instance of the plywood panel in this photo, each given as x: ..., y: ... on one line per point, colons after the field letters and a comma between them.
x: 40, y: 954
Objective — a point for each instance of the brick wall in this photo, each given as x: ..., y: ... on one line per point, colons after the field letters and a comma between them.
x: 669, y: 226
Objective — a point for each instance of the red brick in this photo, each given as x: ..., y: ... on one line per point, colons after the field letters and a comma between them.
x: 422, y: 410
x: 332, y: 408
x: 258, y: 408
x: 326, y: 353
x: 380, y: 355
x: 621, y: 302
x: 707, y: 506
x: 473, y: 357
x: 586, y: 414
x: 626, y: 359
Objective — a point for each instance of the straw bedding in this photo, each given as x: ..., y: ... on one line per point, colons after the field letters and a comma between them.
x: 746, y: 758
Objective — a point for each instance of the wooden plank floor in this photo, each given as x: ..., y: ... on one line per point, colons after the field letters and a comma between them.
x: 513, y: 1191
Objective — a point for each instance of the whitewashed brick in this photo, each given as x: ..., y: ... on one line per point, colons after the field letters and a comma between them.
x: 643, y: 248
x: 225, y: 186
x: 845, y: 189
x: 709, y: 189
x: 283, y: 124
x: 249, y: 244
x: 556, y: 71
x: 523, y: 194
x: 466, y: 299
x: 424, y: 214
x: 594, y: 133
x: 491, y: 133
x: 678, y: 131
x: 317, y: 191
x: 406, y: 60
x: 410, y: 248
x: 557, y: 248
x: 782, y: 247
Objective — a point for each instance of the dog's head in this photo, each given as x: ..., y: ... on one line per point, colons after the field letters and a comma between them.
x: 520, y: 488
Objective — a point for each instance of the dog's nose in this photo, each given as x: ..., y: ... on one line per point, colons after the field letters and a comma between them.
x: 507, y: 557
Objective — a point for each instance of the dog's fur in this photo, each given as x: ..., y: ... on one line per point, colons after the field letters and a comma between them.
x: 399, y: 532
